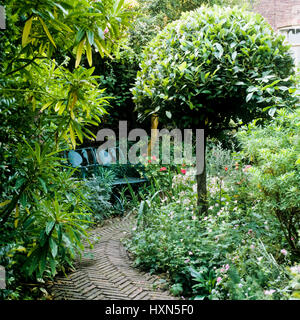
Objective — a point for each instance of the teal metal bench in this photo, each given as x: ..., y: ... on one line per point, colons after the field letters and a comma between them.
x: 89, y: 159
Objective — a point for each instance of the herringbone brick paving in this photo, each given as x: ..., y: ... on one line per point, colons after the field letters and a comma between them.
x: 105, y: 272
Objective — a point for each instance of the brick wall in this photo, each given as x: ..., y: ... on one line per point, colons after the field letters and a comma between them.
x: 279, y: 13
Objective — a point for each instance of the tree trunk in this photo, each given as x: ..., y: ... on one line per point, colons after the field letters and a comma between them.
x: 201, y: 186
x: 154, y: 126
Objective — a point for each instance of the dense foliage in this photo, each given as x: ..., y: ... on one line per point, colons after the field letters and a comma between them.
x: 274, y: 150
x: 119, y: 75
x: 213, y: 69
x: 47, y: 102
x: 241, y: 249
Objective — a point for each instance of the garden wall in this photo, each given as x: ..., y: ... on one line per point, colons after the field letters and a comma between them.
x: 279, y: 13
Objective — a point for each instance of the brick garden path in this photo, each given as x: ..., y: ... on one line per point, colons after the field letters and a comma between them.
x: 106, y: 272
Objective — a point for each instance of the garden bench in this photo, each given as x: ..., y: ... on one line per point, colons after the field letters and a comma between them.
x: 89, y: 159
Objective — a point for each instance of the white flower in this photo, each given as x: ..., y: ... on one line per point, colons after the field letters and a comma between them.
x: 186, y: 201
x: 295, y: 269
x: 284, y: 252
x: 269, y: 292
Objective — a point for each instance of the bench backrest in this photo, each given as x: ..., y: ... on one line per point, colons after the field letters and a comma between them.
x: 110, y: 156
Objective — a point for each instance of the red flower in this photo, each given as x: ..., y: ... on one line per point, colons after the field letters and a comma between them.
x: 226, y: 168
x: 149, y: 161
x: 183, y: 171
x: 163, y: 169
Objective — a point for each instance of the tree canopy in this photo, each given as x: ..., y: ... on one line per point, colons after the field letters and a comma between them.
x: 212, y: 66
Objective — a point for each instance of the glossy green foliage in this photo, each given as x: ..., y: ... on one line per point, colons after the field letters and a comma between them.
x: 48, y: 99
x: 73, y: 25
x: 212, y: 66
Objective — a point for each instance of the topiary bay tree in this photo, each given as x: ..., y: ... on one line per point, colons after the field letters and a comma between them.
x: 213, y: 68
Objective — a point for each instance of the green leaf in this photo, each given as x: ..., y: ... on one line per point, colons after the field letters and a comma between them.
x: 182, y: 66
x: 169, y: 114
x: 249, y: 96
x: 46, y: 105
x: 72, y: 136
x: 47, y: 32
x: 101, y: 33
x: 53, y: 247
x: 52, y: 263
x: 49, y: 227
x: 272, y: 111
x: 26, y: 31
x: 89, y: 54
x: 79, y: 53
x: 117, y: 6
x: 20, y: 182
x: 58, y: 105
x: 65, y: 11
x: 43, y: 184
x: 90, y: 37
x: 102, y: 49
x: 79, y: 36
x: 220, y: 49
x: 202, y: 76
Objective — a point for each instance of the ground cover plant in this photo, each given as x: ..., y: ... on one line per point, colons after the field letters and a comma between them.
x: 241, y: 249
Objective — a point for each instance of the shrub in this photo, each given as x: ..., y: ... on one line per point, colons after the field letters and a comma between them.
x: 213, y: 68
x: 274, y: 177
x: 236, y: 251
x: 99, y: 190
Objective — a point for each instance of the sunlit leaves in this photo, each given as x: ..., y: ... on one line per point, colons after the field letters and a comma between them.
x: 79, y: 53
x: 47, y: 103
x: 47, y: 32
x: 215, y: 68
x: 75, y: 98
x: 26, y: 31
x: 69, y: 23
